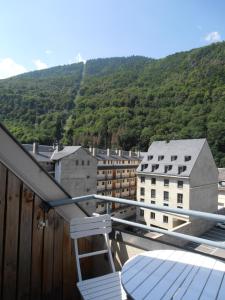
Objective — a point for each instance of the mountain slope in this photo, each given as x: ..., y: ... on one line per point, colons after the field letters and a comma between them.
x: 124, y: 102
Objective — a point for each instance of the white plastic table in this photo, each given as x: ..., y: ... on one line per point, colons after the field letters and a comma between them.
x: 171, y: 274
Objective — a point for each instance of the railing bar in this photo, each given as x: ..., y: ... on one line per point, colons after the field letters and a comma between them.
x: 179, y: 211
x: 171, y: 233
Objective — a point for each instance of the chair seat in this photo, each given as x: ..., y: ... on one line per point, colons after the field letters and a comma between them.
x: 107, y: 287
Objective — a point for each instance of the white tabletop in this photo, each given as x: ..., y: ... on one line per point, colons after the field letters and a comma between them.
x: 170, y: 274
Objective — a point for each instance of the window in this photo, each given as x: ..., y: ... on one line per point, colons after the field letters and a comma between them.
x: 152, y: 202
x: 180, y: 184
x: 173, y: 157
x: 141, y: 213
x: 160, y: 157
x: 82, y: 162
x: 103, y: 183
x: 167, y: 168
x: 142, y: 191
x: 88, y: 162
x: 181, y: 169
x: 150, y: 157
x: 166, y: 182
x: 142, y: 179
x: 165, y: 196
x: 165, y: 219
x: 187, y: 158
x: 179, y: 207
x: 144, y: 166
x: 165, y: 204
x: 77, y: 162
x: 153, y: 180
x: 88, y: 176
x: 152, y: 215
x: 153, y: 193
x: 155, y: 167
x: 142, y: 199
x: 179, y: 198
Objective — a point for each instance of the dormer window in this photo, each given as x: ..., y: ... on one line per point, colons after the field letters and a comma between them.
x: 173, y: 157
x: 181, y: 169
x: 155, y: 167
x: 167, y: 168
x: 160, y: 157
x: 144, y: 166
x: 187, y: 158
x: 150, y: 157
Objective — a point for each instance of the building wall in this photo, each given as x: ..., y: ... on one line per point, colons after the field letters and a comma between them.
x: 77, y: 173
x: 160, y: 188
x: 221, y: 197
x: 204, y: 171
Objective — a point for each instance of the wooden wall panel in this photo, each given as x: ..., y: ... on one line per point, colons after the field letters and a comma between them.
x: 11, y: 237
x: 48, y: 256
x: 25, y: 243
x: 37, y: 250
x: 36, y: 262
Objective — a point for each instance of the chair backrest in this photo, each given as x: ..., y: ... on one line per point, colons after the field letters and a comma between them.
x: 82, y: 227
x: 89, y: 226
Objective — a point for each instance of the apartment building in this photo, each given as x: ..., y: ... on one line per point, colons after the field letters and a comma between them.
x: 178, y: 174
x: 221, y: 187
x: 116, y: 176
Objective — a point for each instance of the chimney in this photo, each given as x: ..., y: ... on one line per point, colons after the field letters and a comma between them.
x: 35, y: 147
x: 108, y: 152
x: 90, y: 149
x: 130, y: 153
x: 120, y: 152
x: 94, y: 151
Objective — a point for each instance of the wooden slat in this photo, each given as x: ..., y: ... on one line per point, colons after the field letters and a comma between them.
x: 69, y: 271
x: 25, y: 243
x: 87, y: 220
x: 76, y: 235
x: 47, y: 283
x: 3, y: 177
x: 89, y: 226
x: 37, y: 248
x: 11, y: 237
x: 103, y: 287
x: 58, y: 258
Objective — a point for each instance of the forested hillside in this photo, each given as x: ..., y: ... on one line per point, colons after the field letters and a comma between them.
x: 125, y: 102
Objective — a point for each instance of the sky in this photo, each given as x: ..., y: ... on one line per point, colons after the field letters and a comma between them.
x: 38, y: 34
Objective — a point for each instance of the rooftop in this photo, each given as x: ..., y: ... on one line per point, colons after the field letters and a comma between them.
x: 172, y: 157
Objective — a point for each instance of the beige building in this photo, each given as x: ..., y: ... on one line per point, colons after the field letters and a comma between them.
x: 116, y: 177
x: 178, y: 174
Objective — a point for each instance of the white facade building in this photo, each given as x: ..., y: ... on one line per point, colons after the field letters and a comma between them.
x: 178, y: 174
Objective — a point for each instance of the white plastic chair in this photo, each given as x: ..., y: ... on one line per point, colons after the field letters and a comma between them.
x: 106, y: 287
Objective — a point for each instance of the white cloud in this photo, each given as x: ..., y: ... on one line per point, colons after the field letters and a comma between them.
x: 40, y: 64
x: 48, y: 52
x: 8, y: 68
x: 79, y: 59
x: 213, y: 37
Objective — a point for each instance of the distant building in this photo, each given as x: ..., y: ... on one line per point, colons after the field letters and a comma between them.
x: 42, y: 154
x: 73, y: 167
x: 116, y: 177
x: 221, y: 187
x: 178, y: 174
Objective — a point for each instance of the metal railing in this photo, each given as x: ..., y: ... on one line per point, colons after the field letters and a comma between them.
x: 173, y: 211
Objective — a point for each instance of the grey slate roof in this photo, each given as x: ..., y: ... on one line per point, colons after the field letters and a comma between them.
x: 43, y: 154
x: 179, y: 148
x: 68, y: 150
